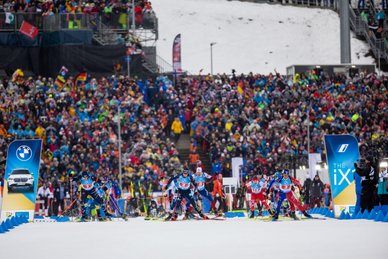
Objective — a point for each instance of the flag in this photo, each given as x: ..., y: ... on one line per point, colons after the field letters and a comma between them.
x: 29, y: 30
x: 81, y: 78
x: 240, y: 89
x: 9, y: 18
x: 176, y: 54
x: 18, y: 73
x: 61, y: 78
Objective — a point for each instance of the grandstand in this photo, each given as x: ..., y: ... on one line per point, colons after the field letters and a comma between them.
x: 88, y: 37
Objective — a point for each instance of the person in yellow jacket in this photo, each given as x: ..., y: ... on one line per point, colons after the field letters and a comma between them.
x: 177, y: 128
x: 40, y: 131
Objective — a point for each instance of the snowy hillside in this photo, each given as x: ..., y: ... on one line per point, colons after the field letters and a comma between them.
x: 250, y: 37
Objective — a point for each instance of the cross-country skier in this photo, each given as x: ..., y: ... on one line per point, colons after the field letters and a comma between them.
x: 88, y: 188
x: 184, y: 182
x: 171, y: 186
x: 200, y: 180
x: 258, y: 197
x: 285, y: 192
x: 107, y: 186
x: 275, y: 189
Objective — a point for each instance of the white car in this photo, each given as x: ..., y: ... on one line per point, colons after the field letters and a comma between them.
x: 21, y: 180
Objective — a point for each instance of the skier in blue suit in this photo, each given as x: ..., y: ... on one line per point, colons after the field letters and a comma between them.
x: 184, y: 182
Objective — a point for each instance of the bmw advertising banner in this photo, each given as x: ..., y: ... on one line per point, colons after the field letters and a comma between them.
x: 21, y: 178
x: 341, y: 153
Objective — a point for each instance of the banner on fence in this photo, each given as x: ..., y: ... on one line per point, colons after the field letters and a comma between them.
x: 21, y: 178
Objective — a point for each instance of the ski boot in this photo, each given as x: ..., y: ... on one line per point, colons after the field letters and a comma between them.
x: 293, y: 215
x: 81, y: 219
x: 219, y: 214
x: 307, y: 215
x: 102, y: 219
x: 169, y: 217
x: 275, y: 217
x: 252, y: 215
x: 271, y: 212
x: 190, y: 215
x: 203, y: 216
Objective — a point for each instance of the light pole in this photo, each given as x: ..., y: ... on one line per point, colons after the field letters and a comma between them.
x: 133, y: 18
x: 211, y: 56
x: 119, y: 139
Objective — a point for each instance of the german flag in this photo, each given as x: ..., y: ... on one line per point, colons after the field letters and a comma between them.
x: 81, y: 78
x: 60, y: 81
x: 240, y: 89
x: 61, y: 78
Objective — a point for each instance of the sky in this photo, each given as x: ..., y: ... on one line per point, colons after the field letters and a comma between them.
x: 229, y: 239
x: 250, y: 37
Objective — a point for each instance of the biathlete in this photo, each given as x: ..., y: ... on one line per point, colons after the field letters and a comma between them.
x: 200, y: 181
x: 88, y: 188
x: 184, y: 182
x: 286, y: 182
x: 258, y: 195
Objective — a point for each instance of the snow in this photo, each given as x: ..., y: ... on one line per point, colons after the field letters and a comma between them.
x: 250, y: 37
x: 233, y: 238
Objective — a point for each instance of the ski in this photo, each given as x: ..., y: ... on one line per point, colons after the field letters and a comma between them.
x: 317, y: 218
x: 210, y: 218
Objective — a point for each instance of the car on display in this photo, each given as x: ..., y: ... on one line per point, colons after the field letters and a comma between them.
x: 20, y: 180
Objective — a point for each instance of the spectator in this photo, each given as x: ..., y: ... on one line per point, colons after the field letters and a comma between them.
x: 193, y: 159
x: 361, y: 4
x: 177, y: 128
x: 384, y: 4
x: 317, y: 188
x: 59, y: 197
x: 42, y: 195
x: 306, y: 189
x: 380, y: 17
x: 382, y: 189
x: 367, y: 170
x: 327, y: 195
x: 218, y: 195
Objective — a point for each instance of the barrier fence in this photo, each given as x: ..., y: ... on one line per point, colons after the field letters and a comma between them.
x: 11, y: 22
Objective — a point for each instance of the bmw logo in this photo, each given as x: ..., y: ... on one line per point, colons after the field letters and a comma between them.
x: 24, y: 153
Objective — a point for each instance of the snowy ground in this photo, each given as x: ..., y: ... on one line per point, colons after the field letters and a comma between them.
x: 250, y: 37
x: 234, y: 238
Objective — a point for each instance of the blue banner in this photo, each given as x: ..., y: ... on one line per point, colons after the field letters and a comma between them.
x: 21, y: 178
x: 341, y: 153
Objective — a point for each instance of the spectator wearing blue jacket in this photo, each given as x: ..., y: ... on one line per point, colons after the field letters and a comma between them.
x: 216, y: 167
x: 380, y: 17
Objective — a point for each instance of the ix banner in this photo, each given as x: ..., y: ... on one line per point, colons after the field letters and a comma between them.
x: 341, y: 153
x: 21, y: 178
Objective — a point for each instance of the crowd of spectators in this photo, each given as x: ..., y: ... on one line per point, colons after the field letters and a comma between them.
x: 115, y: 14
x: 262, y: 118
x: 78, y: 125
x: 51, y: 7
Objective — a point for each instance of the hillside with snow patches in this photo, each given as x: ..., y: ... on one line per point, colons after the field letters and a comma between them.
x: 251, y: 37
